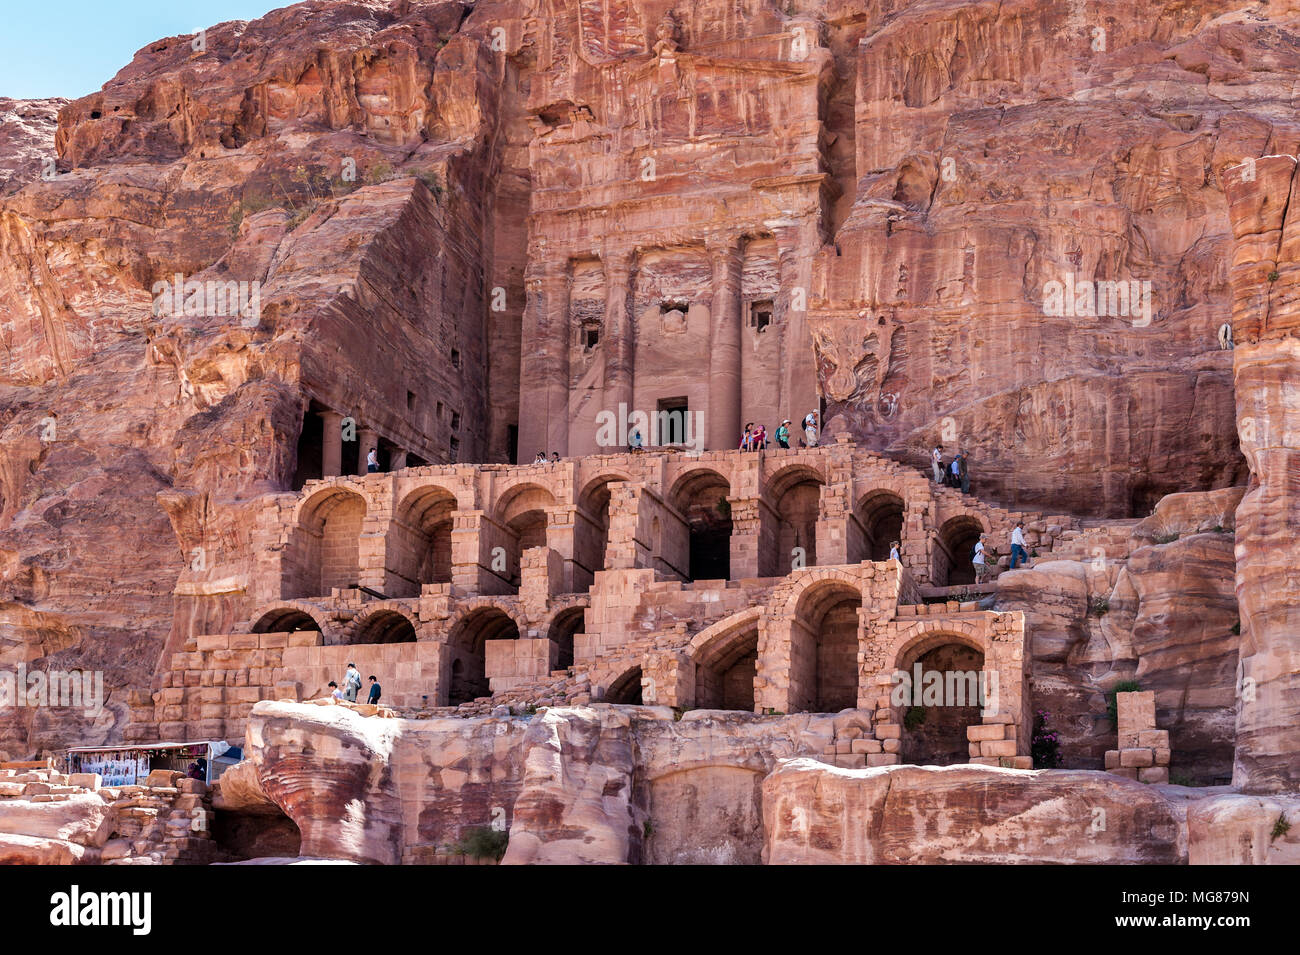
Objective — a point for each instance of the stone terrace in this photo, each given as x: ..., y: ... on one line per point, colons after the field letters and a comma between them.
x: 728, y: 580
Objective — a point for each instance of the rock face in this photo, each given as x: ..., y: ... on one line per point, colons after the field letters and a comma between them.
x: 618, y: 784
x: 1164, y: 617
x: 815, y: 815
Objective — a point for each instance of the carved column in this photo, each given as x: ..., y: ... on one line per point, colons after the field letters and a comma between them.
x: 723, y: 427
x: 368, y: 438
x: 620, y: 352
x: 544, y: 366
x: 331, y: 453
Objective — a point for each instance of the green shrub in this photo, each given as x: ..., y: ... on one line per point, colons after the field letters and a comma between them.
x: 914, y: 717
x: 1280, y: 828
x: 1123, y: 686
x: 1166, y: 538
x: 481, y: 842
x: 1099, y: 606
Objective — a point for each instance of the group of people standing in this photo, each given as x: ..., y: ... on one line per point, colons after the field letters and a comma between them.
x: 954, y: 473
x: 352, y: 686
x: 755, y: 436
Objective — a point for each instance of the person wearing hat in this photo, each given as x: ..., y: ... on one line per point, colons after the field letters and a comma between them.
x: 783, y: 434
x: 978, y: 560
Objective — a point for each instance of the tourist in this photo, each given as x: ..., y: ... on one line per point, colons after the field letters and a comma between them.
x: 747, y: 439
x: 964, y: 473
x: 936, y: 463
x: 954, y: 472
x: 198, y: 769
x: 336, y: 694
x: 555, y: 457
x: 540, y: 458
x: 1018, y: 553
x: 978, y: 560
x: 760, y: 438
x: 634, y: 440
x: 351, y: 683
x: 375, y: 690
x: 810, y: 430
x: 372, y: 461
x: 893, y: 552
x: 783, y: 434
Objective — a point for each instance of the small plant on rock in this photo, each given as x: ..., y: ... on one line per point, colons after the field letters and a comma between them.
x: 914, y: 717
x: 1099, y: 606
x: 1280, y: 828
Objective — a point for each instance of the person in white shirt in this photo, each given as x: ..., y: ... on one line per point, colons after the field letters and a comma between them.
x: 1018, y: 553
x: 810, y: 429
x: 893, y: 552
x: 978, y: 559
x: 936, y: 463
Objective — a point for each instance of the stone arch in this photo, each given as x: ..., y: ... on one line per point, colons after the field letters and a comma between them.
x: 880, y: 515
x: 286, y: 618
x: 794, y: 494
x: 700, y: 496
x: 563, y: 626
x: 946, y: 672
x: 521, y: 516
x: 417, y: 547
x: 824, y: 646
x: 726, y: 661
x: 324, y: 545
x: 466, y: 660
x: 625, y: 688
x: 591, y: 530
x: 382, y: 624
x: 954, y: 544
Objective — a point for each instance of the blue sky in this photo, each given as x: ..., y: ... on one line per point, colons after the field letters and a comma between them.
x: 73, y: 47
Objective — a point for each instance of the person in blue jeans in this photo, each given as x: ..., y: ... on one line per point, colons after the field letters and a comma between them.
x: 1018, y: 553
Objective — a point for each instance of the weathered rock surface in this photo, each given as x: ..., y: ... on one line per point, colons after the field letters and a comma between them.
x: 815, y: 814
x: 1244, y: 830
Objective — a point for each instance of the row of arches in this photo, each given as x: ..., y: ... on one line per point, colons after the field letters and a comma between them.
x: 418, y: 548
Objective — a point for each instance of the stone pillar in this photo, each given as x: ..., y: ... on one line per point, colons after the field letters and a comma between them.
x: 620, y: 352
x: 723, y: 425
x: 367, y: 438
x: 797, y: 242
x: 331, y: 454
x: 397, y: 459
x: 746, y: 535
x: 544, y: 367
x: 1266, y: 366
x: 560, y: 522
